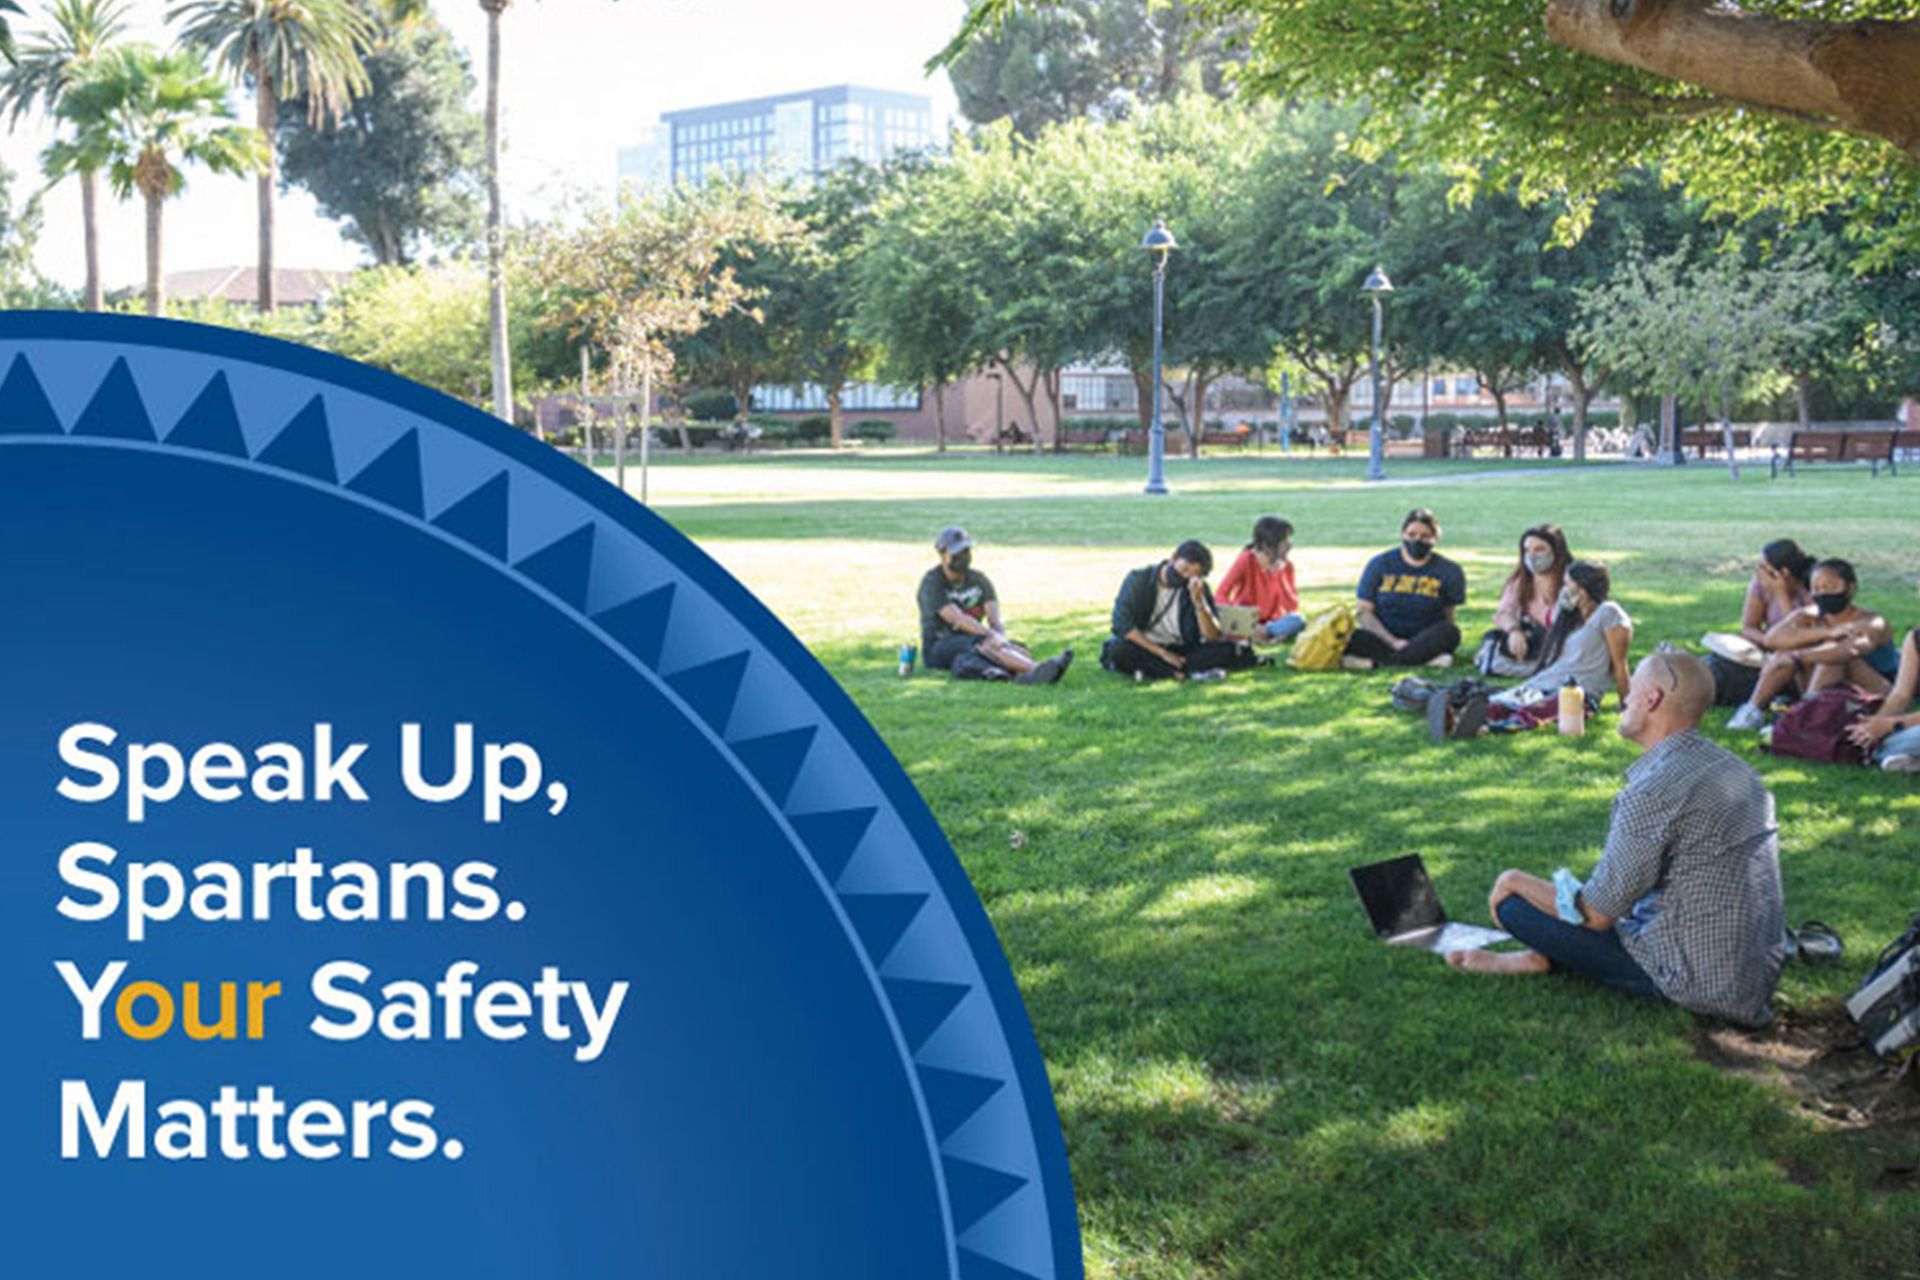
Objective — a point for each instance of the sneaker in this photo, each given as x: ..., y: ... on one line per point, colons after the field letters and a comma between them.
x: 1062, y: 661
x: 1041, y: 673
x: 1211, y: 673
x: 1356, y: 664
x: 1440, y: 660
x: 1901, y: 762
x: 1748, y: 718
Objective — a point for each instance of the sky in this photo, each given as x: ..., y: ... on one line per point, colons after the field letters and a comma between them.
x: 581, y: 79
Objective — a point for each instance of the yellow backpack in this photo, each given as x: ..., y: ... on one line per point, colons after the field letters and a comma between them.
x: 1324, y: 641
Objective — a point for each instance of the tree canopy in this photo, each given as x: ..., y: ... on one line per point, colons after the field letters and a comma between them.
x: 1777, y: 104
x: 1092, y: 58
x: 403, y: 166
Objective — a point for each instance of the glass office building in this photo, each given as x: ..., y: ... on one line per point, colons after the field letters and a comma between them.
x: 795, y: 133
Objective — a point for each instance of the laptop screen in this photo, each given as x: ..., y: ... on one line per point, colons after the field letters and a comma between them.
x: 1398, y: 895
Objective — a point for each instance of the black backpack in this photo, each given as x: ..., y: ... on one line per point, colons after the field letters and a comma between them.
x: 1886, y: 1008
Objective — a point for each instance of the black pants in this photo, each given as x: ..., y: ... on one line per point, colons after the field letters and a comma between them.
x: 1430, y: 642
x: 1124, y: 657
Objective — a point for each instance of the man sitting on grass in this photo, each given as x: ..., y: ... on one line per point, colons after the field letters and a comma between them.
x: 1685, y: 903
x: 960, y: 615
x: 1164, y: 626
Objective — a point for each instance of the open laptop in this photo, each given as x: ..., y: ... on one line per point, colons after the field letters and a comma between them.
x: 1405, y: 909
x: 1238, y: 621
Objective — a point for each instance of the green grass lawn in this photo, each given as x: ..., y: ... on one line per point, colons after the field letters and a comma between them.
x: 1250, y: 1085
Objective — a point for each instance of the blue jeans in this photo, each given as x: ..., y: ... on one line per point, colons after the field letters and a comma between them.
x: 1901, y: 742
x: 1286, y: 626
x: 1595, y: 955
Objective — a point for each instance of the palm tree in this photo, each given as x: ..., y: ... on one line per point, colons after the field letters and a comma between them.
x: 310, y: 47
x: 140, y: 115
x: 496, y: 230
x: 43, y: 70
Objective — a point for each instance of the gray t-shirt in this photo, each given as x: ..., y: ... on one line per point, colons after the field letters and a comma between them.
x: 1586, y: 657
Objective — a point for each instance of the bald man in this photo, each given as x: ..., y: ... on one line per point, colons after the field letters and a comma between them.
x: 1685, y: 903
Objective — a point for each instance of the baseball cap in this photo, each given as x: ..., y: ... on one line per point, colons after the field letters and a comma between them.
x: 952, y: 538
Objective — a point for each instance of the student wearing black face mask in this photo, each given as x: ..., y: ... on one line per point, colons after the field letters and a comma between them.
x: 1407, y: 599
x: 960, y: 616
x: 1164, y: 626
x: 1828, y: 641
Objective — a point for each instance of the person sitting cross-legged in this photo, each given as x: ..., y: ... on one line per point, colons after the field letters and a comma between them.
x: 1262, y: 576
x: 1164, y: 626
x: 1685, y: 904
x: 960, y: 615
x: 1407, y: 597
x: 1830, y: 640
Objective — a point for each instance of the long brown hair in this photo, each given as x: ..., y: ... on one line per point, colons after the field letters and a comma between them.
x: 1554, y: 537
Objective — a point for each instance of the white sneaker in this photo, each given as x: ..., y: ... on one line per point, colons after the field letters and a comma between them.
x: 1440, y: 660
x: 1211, y: 673
x: 1748, y: 717
x: 1901, y: 762
x: 1356, y: 664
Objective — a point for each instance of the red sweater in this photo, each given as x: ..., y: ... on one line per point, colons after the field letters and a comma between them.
x: 1271, y: 591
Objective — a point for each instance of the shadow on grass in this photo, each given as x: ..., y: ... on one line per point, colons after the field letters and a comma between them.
x: 1252, y: 1086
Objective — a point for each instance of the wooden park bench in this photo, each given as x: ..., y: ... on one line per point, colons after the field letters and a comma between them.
x: 1705, y: 440
x: 1231, y: 439
x: 1086, y: 438
x: 1532, y: 439
x: 1877, y: 447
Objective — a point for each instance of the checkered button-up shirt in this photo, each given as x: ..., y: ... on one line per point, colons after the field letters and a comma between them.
x: 1691, y: 877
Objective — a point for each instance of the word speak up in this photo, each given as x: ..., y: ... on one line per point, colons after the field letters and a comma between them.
x: 148, y: 774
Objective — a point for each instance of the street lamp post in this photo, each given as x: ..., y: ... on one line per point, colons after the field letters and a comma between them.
x: 1160, y: 243
x: 1376, y: 285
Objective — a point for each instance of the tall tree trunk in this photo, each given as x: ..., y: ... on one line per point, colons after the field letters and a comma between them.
x: 1726, y: 432
x: 1803, y: 398
x: 836, y: 417
x: 1336, y: 404
x: 1059, y: 414
x: 90, y: 220
x: 1859, y: 75
x: 1143, y: 396
x: 266, y: 118
x: 156, y: 286
x: 496, y: 227
x: 940, y: 414
x: 1582, y: 405
x: 1200, y: 380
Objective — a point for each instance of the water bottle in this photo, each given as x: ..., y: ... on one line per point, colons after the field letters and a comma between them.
x: 907, y: 654
x: 1573, y: 709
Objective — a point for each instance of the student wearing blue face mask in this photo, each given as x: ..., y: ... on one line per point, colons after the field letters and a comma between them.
x: 1406, y: 601
x: 1831, y: 640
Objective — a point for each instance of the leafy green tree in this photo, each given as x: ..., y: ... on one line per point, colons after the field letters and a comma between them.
x: 813, y: 304
x: 1316, y: 220
x: 1700, y: 329
x: 1092, y: 58
x: 1471, y: 289
x: 142, y: 115
x: 402, y: 166
x: 632, y: 279
x: 42, y: 71
x: 1788, y: 104
x: 20, y: 283
x: 312, y: 49
x: 917, y: 304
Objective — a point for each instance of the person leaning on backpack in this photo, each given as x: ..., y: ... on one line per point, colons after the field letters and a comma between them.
x: 1164, y: 627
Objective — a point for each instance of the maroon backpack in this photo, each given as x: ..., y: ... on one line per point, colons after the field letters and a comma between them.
x: 1817, y: 728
